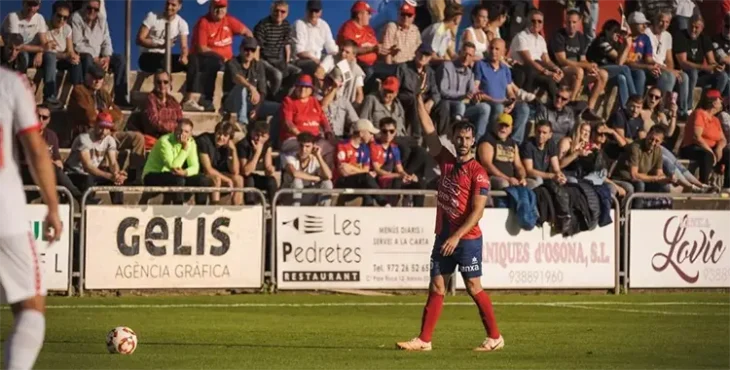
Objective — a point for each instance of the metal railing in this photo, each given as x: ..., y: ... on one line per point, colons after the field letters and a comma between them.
x: 161, y: 189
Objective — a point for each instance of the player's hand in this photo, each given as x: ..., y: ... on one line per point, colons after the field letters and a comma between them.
x: 53, y: 227
x: 449, y: 246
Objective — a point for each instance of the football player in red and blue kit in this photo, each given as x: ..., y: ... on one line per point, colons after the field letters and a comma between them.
x: 462, y: 197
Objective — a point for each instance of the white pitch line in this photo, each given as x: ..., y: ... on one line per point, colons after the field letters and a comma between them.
x: 652, y: 312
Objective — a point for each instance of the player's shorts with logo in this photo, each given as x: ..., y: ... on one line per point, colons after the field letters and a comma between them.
x: 468, y: 255
x: 20, y: 270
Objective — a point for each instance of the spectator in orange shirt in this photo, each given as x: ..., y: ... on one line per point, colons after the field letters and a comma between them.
x: 212, y: 47
x: 358, y: 30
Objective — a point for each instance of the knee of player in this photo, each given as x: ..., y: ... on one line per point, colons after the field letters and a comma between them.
x: 473, y: 286
x: 438, y: 287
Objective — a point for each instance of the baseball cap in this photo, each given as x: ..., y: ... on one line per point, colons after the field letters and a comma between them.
x: 305, y: 80
x: 95, y: 71
x: 105, y: 120
x: 637, y: 18
x: 391, y: 84
x: 407, y: 9
x: 249, y: 43
x: 315, y: 5
x: 426, y: 48
x: 714, y: 94
x: 361, y: 6
x: 220, y: 3
x: 504, y: 119
x: 365, y: 125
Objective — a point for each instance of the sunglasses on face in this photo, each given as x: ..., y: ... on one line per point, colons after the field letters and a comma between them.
x: 655, y: 97
x: 162, y: 82
x: 249, y: 50
x: 563, y: 98
x: 387, y: 131
x: 92, y: 9
x: 536, y: 21
x: 43, y: 117
x: 62, y: 17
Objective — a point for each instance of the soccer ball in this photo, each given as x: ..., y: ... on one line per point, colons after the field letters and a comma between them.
x: 121, y: 340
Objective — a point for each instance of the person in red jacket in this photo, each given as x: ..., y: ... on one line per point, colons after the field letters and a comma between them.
x: 211, y: 48
x: 358, y: 30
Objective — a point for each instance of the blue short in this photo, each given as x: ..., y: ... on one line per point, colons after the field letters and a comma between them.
x: 468, y: 255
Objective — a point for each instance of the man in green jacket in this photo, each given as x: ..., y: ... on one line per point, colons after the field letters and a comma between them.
x: 174, y: 161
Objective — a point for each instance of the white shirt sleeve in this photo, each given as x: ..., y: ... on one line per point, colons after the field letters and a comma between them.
x: 543, y: 49
x: 24, y: 114
x: 183, y: 26
x: 149, y: 20
x: 329, y: 42
x: 11, y: 23
x: 291, y: 160
x: 300, y: 37
x: 42, y: 25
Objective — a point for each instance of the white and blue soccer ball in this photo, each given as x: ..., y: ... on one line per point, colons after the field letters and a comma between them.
x: 121, y: 340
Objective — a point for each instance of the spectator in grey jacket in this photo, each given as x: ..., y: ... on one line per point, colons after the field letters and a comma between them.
x: 558, y: 112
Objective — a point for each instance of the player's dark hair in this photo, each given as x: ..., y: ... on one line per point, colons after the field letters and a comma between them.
x: 542, y: 123
x: 387, y: 121
x: 463, y: 125
x: 574, y: 12
x: 306, y: 137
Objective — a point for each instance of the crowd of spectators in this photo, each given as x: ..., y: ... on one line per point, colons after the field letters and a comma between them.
x: 343, y: 109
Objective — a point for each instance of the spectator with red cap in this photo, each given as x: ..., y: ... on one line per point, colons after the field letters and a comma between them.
x: 312, y: 35
x: 302, y: 112
x: 212, y: 47
x: 88, y: 151
x: 401, y: 39
x: 384, y: 103
x: 358, y: 30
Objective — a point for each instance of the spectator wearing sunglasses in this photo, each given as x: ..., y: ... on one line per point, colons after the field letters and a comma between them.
x: 275, y: 40
x: 162, y: 111
x: 92, y: 41
x: 559, y: 114
x: 31, y: 26
x: 401, y: 39
x: 244, y: 83
x: 60, y: 53
x: 312, y: 35
x: 151, y: 39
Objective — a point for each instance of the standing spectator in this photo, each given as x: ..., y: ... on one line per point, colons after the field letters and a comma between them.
x: 568, y: 49
x: 559, y: 114
x: 540, y: 157
x: 212, y: 48
x: 161, y: 112
x: 219, y: 161
x: 476, y: 34
x: 696, y: 57
x: 401, y: 39
x: 31, y: 26
x: 353, y: 163
x: 721, y: 45
x: 244, y: 83
x: 384, y: 103
x: 611, y: 51
x: 174, y: 161
x: 357, y: 29
x: 301, y: 112
x: 312, y: 35
x: 440, y: 36
x: 500, y: 156
x: 60, y: 54
x: 497, y: 89
x: 88, y: 151
x: 641, y: 165
x: 151, y: 39
x: 670, y: 78
x: 704, y: 140
x: 385, y: 157
x: 253, y: 150
x: 685, y: 10
x: 273, y: 34
x: 91, y: 39
x: 337, y: 108
x: 458, y: 88
x: 533, y: 66
x: 307, y: 170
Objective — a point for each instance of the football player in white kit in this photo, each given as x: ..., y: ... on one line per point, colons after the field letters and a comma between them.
x: 21, y: 282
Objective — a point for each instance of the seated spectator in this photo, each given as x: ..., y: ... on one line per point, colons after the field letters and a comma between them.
x: 696, y: 57
x: 498, y: 91
x: 212, y: 48
x: 307, y: 170
x: 476, y: 34
x: 92, y: 41
x: 418, y: 78
x: 497, y: 19
x: 582, y: 155
x: 11, y: 56
x: 500, y: 156
x: 337, y: 108
x: 659, y: 112
x: 301, y: 112
x: 641, y: 165
x: 219, y: 161
x: 346, y: 64
x: 88, y: 151
x: 357, y: 29
x: 161, y: 112
x: 253, y: 150
x: 611, y: 51
x: 44, y: 118
x: 641, y: 53
x: 558, y: 113
x: 60, y: 54
x: 385, y: 158
x: 670, y: 78
x: 273, y: 34
x: 629, y: 124
x: 540, y: 157
x: 568, y: 49
x: 401, y: 39
x: 597, y: 169
x: 32, y: 28
x: 384, y: 103
x: 244, y: 83
x: 704, y: 140
x: 151, y: 39
x: 440, y: 35
x: 533, y: 67
x: 353, y: 163
x: 88, y: 100
x: 721, y: 45
x: 174, y: 161
x: 456, y: 82
x: 311, y: 35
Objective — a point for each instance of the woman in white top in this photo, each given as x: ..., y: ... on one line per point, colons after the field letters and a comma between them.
x: 151, y: 38
x: 475, y: 34
x: 497, y: 17
x: 59, y: 53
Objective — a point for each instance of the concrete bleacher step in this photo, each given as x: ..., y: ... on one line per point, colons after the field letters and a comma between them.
x: 202, y: 121
x: 142, y: 83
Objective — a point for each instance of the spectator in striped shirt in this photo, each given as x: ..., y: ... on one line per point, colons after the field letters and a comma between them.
x: 274, y: 36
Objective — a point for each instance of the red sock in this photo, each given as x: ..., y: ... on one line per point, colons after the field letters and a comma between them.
x: 431, y: 314
x: 487, y: 313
